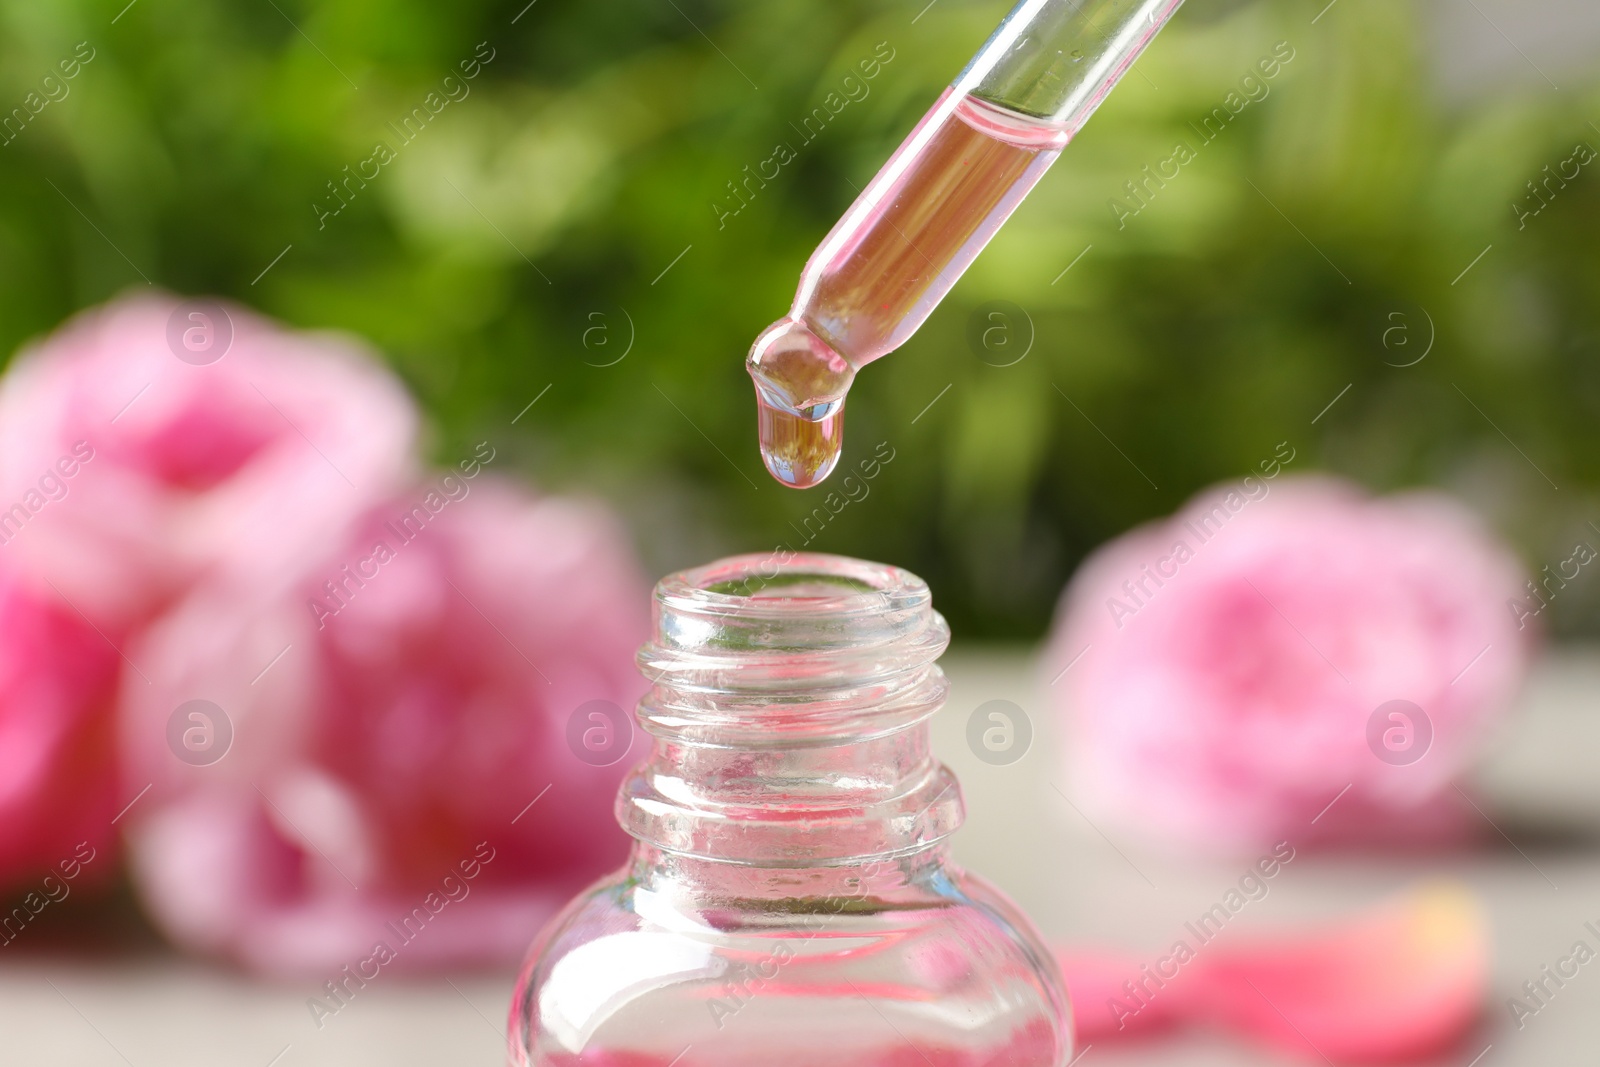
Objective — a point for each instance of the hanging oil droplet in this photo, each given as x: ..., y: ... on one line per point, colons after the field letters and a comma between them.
x: 798, y: 452
x: 1075, y: 55
x: 800, y: 389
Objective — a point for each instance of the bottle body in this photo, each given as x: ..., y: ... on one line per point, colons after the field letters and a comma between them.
x: 789, y: 901
x: 912, y: 962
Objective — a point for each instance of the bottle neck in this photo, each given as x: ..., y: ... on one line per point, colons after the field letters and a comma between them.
x: 792, y: 731
x: 672, y: 876
x: 796, y: 801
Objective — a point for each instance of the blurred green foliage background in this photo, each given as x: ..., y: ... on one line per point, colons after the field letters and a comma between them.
x: 1315, y: 244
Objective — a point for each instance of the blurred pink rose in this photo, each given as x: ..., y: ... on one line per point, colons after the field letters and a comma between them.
x: 126, y: 472
x: 1235, y: 658
x: 58, y: 769
x: 391, y: 736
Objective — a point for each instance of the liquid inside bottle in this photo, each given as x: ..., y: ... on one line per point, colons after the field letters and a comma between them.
x: 886, y: 265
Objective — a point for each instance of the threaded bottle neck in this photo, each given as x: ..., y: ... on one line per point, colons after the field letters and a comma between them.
x: 789, y: 715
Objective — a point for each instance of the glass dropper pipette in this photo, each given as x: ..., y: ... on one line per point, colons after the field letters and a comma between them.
x: 927, y: 214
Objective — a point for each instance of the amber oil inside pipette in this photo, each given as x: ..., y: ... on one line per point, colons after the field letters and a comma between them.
x: 885, y: 266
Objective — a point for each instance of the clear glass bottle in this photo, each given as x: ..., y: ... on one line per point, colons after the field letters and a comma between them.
x: 790, y: 901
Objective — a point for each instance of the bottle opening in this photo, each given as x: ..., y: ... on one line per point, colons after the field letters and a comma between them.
x: 787, y: 620
x: 791, y: 584
x: 798, y: 586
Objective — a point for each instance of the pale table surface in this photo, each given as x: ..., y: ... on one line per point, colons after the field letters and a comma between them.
x: 154, y: 1010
